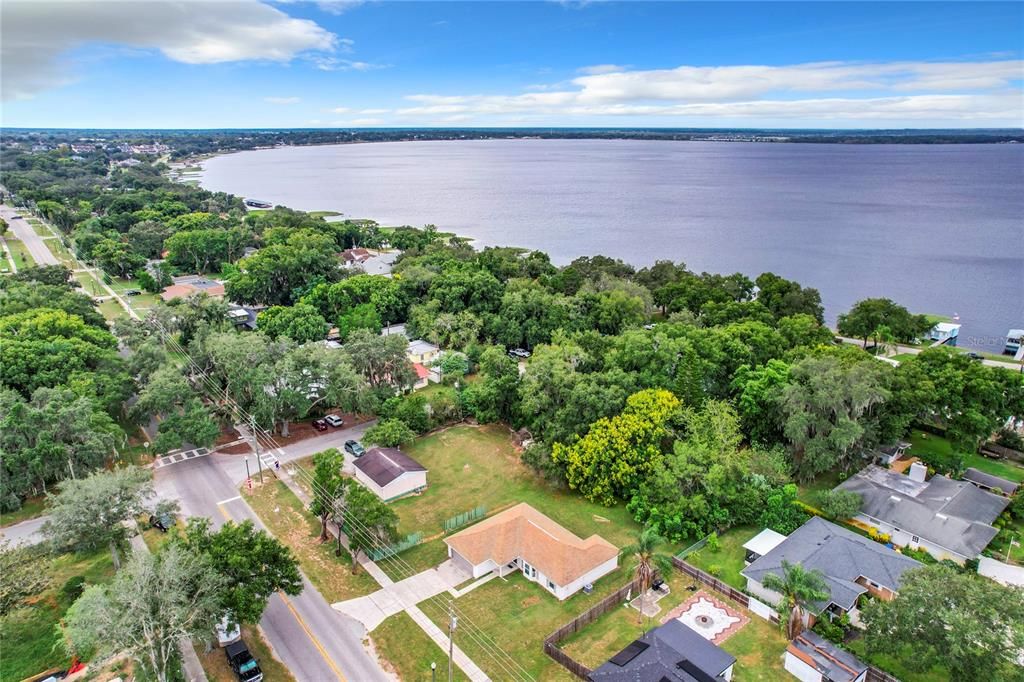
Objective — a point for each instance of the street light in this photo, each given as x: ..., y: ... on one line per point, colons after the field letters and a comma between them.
x: 433, y: 672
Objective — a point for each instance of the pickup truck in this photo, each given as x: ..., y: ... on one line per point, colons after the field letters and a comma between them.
x: 241, y: 661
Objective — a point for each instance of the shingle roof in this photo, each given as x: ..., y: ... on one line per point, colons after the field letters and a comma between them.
x: 384, y: 465
x: 832, y: 662
x: 673, y: 652
x: 953, y: 514
x: 841, y: 555
x: 989, y: 481
x: 522, y: 531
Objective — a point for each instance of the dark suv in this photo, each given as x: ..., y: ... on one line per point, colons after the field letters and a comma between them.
x: 241, y: 661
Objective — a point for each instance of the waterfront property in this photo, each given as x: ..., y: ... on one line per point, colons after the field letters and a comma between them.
x: 810, y: 658
x: 390, y: 473
x: 948, y: 519
x: 671, y: 653
x: 851, y: 564
x: 944, y: 333
x: 523, y: 539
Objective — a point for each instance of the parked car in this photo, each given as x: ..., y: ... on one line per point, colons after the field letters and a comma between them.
x: 320, y: 424
x: 520, y: 353
x: 975, y: 356
x: 162, y: 521
x: 354, y: 448
x: 241, y: 661
x: 334, y: 420
x: 133, y: 292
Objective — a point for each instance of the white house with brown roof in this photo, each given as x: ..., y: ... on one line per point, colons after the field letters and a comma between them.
x: 390, y: 473
x: 523, y: 539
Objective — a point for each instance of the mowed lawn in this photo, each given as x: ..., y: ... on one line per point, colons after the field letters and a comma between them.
x: 922, y: 444
x: 469, y: 466
x: 406, y: 647
x: 31, y: 643
x: 727, y: 562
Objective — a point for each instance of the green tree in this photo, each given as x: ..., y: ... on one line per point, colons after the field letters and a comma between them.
x: 279, y: 274
x: 781, y: 512
x: 184, y: 417
x: 300, y: 323
x: 252, y: 563
x: 759, y: 399
x: 373, y: 524
x: 799, y: 588
x: 618, y: 453
x: 870, y: 317
x: 785, y: 297
x: 969, y: 624
x: 804, y: 330
x: 389, y: 433
x: 26, y: 572
x: 648, y: 561
x: 90, y: 513
x: 328, y: 486
x: 839, y: 504
x: 151, y: 605
x: 381, y: 360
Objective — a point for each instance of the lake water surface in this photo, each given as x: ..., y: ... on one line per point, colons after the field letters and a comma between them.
x: 938, y: 228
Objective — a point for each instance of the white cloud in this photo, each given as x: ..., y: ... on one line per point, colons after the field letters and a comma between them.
x: 373, y: 112
x: 360, y: 123
x: 282, y: 100
x: 340, y: 110
x: 346, y: 45
x: 36, y: 33
x: 325, y: 63
x: 599, y: 69
x: 986, y: 91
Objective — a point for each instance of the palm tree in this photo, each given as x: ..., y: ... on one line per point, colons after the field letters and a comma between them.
x: 648, y: 561
x: 798, y: 587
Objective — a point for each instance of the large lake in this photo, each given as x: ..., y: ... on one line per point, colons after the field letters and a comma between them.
x: 938, y: 228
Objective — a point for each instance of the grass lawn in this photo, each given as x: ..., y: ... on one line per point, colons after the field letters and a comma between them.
x: 760, y: 649
x: 19, y: 252
x: 1015, y: 531
x: 288, y: 520
x: 215, y: 662
x: 30, y: 509
x: 810, y: 493
x: 90, y: 284
x: 39, y: 228
x: 517, y: 615
x: 729, y: 557
x: 923, y: 444
x: 900, y: 357
x: 31, y: 643
x: 403, y: 644
x: 470, y: 466
x: 111, y: 309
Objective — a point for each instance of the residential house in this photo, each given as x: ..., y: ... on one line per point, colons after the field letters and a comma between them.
x: 889, y: 454
x: 673, y: 652
x: 993, y: 484
x: 810, y: 658
x: 394, y: 329
x: 422, y: 351
x: 242, y: 317
x: 190, y: 285
x: 851, y: 564
x: 423, y: 376
x: 353, y: 257
x: 949, y: 519
x: 390, y: 473
x: 521, y: 538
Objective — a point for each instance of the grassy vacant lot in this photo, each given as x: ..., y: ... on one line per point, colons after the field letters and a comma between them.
x: 403, y: 644
x: 758, y: 647
x: 517, y: 615
x: 727, y: 562
x: 470, y: 466
x: 923, y: 444
x: 31, y: 643
x: 30, y: 509
x: 111, y: 309
x: 215, y: 663
x: 287, y: 519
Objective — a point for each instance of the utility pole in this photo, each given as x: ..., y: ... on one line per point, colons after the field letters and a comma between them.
x: 256, y: 445
x: 452, y: 623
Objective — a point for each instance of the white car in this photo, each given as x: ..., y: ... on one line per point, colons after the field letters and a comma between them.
x: 334, y: 420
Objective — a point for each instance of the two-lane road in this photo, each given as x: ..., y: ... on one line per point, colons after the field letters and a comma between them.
x: 24, y: 232
x: 316, y: 642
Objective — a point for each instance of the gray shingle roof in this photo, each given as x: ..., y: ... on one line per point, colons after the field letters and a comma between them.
x: 832, y: 662
x: 989, y: 481
x: 953, y: 514
x: 841, y: 555
x: 667, y: 647
x: 384, y: 465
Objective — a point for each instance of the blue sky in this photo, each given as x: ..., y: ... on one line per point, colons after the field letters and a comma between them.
x: 247, y: 63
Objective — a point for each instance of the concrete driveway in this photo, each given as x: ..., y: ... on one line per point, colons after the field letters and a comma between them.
x: 24, y: 232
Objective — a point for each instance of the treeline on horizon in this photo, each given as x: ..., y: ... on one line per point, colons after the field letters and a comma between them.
x: 187, y: 143
x: 694, y: 398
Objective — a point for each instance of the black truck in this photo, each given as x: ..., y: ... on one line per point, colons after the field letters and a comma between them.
x: 241, y: 661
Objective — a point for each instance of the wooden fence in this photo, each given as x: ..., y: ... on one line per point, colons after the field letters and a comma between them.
x: 711, y: 581
x: 612, y: 601
x: 876, y: 675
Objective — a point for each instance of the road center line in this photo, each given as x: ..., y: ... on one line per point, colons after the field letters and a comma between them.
x: 230, y: 499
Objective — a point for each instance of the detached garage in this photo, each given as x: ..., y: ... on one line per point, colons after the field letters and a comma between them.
x: 390, y: 473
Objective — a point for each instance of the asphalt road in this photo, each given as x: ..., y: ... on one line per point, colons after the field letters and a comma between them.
x: 26, y: 532
x: 24, y: 232
x: 316, y: 642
